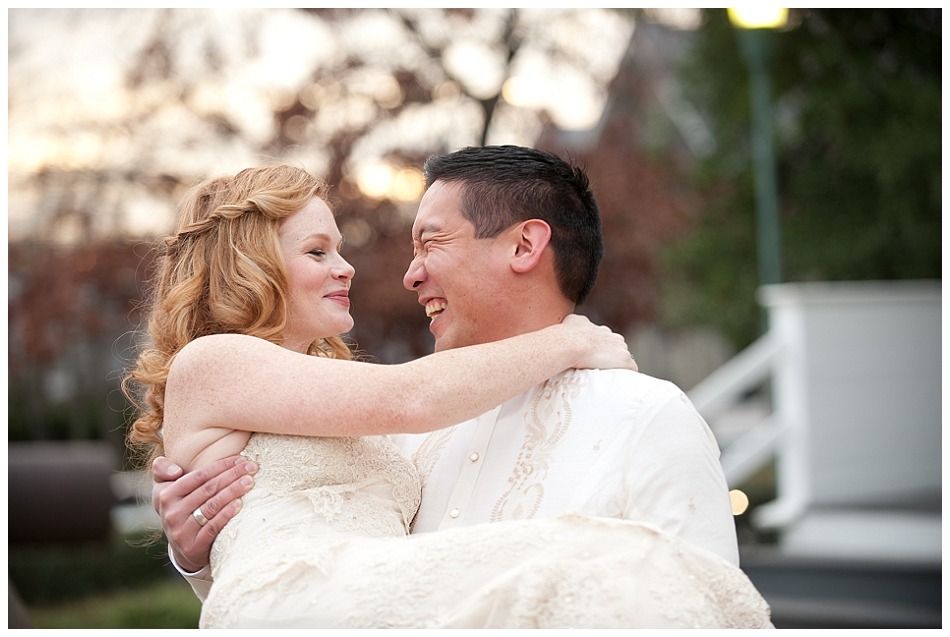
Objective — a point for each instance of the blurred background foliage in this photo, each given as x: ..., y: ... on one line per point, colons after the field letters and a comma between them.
x: 95, y: 170
x: 117, y: 583
x: 857, y: 97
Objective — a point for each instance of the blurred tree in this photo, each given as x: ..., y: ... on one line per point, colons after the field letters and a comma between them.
x: 638, y: 162
x: 70, y: 312
x: 857, y: 98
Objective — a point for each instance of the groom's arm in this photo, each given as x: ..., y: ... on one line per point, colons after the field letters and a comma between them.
x: 217, y: 489
x: 675, y: 479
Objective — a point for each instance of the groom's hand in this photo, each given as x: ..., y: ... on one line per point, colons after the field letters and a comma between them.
x: 194, y: 507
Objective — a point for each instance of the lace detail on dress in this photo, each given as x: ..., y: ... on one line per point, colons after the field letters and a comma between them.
x: 731, y: 599
x: 569, y: 572
x: 333, y: 472
x: 308, y: 492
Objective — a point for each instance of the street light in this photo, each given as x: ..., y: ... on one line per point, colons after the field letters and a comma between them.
x: 755, y: 24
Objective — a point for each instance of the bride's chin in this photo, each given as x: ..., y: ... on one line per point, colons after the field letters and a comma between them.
x: 344, y: 329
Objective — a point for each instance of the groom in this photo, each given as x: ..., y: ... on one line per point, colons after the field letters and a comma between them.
x: 507, y: 240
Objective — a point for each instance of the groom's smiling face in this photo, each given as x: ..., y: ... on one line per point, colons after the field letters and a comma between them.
x: 459, y: 279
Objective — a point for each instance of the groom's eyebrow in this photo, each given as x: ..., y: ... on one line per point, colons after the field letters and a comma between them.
x: 424, y: 230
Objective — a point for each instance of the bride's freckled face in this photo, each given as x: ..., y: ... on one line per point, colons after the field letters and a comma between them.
x: 319, y: 276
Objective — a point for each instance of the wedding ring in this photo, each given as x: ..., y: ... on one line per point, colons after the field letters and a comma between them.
x: 198, y: 515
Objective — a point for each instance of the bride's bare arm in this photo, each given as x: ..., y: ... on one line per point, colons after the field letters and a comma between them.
x: 243, y: 383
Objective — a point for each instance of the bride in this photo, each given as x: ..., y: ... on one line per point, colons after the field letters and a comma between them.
x: 249, y: 298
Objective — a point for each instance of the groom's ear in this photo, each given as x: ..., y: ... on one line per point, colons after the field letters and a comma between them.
x: 531, y: 238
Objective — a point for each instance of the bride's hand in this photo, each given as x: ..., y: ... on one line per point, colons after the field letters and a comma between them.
x: 601, y: 347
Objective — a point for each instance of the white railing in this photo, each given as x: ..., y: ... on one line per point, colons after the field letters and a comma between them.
x: 724, y: 389
x: 852, y: 413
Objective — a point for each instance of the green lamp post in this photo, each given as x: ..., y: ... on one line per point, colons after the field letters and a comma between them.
x: 755, y: 25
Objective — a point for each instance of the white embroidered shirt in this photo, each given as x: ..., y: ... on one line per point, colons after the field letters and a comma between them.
x: 610, y: 443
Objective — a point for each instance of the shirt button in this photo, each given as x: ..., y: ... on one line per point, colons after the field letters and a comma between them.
x: 454, y: 513
x: 473, y: 457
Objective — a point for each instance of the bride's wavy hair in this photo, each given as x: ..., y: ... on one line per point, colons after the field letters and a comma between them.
x: 221, y: 272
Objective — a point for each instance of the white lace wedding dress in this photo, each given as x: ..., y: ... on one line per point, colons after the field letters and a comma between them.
x: 322, y: 542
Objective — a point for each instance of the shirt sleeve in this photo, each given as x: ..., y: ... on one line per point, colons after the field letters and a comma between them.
x: 675, y: 480
x: 200, y: 581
